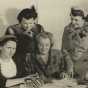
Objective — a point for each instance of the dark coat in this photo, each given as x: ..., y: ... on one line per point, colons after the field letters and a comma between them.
x: 48, y: 71
x: 76, y: 45
x: 25, y: 43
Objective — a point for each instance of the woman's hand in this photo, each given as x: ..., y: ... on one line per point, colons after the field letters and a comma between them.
x: 86, y: 76
x: 64, y: 75
x: 70, y: 73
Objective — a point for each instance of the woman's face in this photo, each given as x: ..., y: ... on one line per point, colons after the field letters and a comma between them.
x: 27, y: 24
x: 9, y: 48
x: 77, y: 21
x: 44, y: 46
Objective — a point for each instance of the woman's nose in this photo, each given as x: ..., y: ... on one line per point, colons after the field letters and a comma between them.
x: 11, y: 50
x: 44, y: 47
x: 74, y: 22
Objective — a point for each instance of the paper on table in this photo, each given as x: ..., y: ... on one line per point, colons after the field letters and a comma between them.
x: 12, y: 82
x: 64, y: 83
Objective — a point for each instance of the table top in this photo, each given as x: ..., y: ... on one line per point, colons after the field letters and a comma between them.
x: 64, y: 83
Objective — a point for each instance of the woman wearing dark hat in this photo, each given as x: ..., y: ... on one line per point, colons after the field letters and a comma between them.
x: 76, y: 24
x: 71, y: 35
x: 7, y: 66
x: 26, y: 26
x: 75, y: 43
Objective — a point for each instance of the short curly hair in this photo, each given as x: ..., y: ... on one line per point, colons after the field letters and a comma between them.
x: 45, y: 35
x: 27, y: 13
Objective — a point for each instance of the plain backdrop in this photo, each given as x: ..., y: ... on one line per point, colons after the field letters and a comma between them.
x: 52, y: 14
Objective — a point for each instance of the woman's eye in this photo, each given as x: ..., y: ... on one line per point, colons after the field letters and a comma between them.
x: 14, y: 48
x: 30, y: 23
x: 8, y: 47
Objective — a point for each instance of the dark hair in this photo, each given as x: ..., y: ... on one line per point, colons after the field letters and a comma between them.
x: 37, y: 29
x: 6, y: 38
x: 86, y: 18
x: 77, y: 12
x: 27, y: 13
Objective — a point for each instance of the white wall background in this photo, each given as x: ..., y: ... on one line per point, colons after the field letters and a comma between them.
x: 53, y: 14
x: 9, y: 10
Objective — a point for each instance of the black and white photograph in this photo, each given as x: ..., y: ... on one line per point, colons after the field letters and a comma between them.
x: 44, y: 44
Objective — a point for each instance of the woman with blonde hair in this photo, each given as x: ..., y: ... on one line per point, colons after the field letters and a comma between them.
x: 45, y: 61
